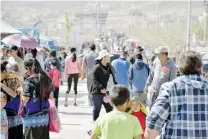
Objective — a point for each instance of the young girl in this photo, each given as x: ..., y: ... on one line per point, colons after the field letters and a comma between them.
x: 54, y: 73
x: 4, y: 122
x: 138, y: 110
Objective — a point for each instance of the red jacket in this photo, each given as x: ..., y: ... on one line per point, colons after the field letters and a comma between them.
x: 142, y: 119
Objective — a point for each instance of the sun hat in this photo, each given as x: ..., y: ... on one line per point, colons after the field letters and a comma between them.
x: 102, y: 54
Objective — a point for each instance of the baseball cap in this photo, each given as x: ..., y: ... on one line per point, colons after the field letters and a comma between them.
x: 102, y: 54
x: 162, y: 49
x: 13, y: 47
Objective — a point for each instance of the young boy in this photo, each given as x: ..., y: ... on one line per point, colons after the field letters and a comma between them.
x: 4, y: 122
x: 138, y: 110
x: 54, y: 73
x: 118, y: 124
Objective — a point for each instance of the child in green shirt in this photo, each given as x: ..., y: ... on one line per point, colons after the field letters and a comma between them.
x: 118, y: 124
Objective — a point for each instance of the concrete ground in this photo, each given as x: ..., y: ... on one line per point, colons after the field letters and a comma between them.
x: 75, y: 120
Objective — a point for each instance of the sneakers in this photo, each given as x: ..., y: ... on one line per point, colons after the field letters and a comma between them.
x: 66, y: 101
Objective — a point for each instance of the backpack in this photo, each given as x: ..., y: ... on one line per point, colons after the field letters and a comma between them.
x: 55, y: 77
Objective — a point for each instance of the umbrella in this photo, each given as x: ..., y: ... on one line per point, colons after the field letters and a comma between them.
x: 23, y: 40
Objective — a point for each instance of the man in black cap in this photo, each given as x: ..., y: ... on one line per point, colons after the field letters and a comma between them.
x: 14, y: 58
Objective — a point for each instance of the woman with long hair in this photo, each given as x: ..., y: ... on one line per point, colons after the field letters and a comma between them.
x: 72, y: 70
x: 10, y: 84
x: 36, y: 91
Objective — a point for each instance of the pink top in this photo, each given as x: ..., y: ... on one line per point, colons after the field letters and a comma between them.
x: 71, y: 67
x: 54, y: 73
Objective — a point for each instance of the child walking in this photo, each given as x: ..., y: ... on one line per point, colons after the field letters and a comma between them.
x: 118, y: 124
x: 54, y: 73
x: 4, y: 121
x: 138, y: 110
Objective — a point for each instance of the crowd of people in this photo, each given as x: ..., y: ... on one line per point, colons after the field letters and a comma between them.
x: 27, y: 85
x: 142, y: 100
x: 177, y: 105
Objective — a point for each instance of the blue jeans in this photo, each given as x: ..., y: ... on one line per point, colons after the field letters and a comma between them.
x: 97, y: 105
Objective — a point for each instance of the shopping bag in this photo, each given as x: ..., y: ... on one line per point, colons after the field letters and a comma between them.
x: 54, y: 120
x: 106, y: 99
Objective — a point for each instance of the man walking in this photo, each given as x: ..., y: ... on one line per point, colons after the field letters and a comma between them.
x: 87, y: 64
x: 163, y: 70
x: 181, y: 108
x: 121, y: 66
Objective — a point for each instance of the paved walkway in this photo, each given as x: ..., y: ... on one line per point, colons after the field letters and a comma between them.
x: 75, y: 120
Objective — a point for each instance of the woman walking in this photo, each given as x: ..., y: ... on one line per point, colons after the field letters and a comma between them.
x: 72, y: 70
x: 10, y: 83
x: 36, y: 92
x: 102, y: 77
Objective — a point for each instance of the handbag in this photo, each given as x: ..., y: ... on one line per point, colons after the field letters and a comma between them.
x: 54, y: 120
x: 110, y: 82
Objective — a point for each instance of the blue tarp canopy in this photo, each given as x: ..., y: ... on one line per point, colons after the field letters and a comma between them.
x: 47, y: 41
x: 28, y: 30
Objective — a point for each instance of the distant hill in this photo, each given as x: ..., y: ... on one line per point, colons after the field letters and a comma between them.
x: 121, y: 15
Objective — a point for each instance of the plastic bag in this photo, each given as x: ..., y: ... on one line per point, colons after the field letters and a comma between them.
x: 106, y: 99
x: 54, y: 120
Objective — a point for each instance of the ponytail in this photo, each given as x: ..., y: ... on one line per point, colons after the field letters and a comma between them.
x: 73, y: 50
x: 74, y: 58
x: 34, y: 53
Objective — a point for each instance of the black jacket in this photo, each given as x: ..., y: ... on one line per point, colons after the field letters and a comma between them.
x: 98, y: 77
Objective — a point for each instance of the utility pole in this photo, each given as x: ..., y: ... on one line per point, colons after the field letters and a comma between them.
x: 98, y: 18
x: 188, y: 35
x: 205, y: 20
x: 157, y: 24
x: 82, y: 18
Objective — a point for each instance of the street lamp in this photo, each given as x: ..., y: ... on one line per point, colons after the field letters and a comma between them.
x: 205, y: 19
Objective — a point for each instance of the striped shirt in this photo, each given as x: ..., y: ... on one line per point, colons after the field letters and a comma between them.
x: 181, y: 109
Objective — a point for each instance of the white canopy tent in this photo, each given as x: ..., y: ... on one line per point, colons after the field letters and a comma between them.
x: 7, y: 28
